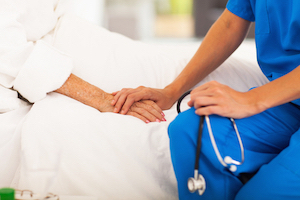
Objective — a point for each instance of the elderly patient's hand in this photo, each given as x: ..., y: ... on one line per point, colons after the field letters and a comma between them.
x: 146, y: 110
x: 93, y: 96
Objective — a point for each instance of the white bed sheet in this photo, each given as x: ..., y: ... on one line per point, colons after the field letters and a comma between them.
x: 73, y: 149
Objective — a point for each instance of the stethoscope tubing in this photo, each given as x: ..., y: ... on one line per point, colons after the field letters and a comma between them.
x: 227, y: 160
x: 198, y: 182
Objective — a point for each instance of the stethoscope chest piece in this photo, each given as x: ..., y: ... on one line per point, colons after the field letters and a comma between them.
x: 197, y: 183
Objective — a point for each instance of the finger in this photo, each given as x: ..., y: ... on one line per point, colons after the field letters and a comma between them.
x: 132, y: 95
x: 191, y: 103
x: 152, y: 108
x: 148, y: 111
x: 123, y: 108
x: 157, y: 111
x: 114, y: 93
x: 208, y: 110
x: 201, y: 88
x: 131, y: 98
x: 205, y: 101
x: 196, y: 96
x: 206, y: 92
x: 119, y: 104
x: 143, y: 112
x: 122, y: 99
x: 117, y: 95
x: 209, y: 86
x: 134, y: 114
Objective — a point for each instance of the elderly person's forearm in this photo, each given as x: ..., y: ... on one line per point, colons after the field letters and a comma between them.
x: 86, y: 93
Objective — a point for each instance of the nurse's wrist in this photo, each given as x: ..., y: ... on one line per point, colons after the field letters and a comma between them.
x: 173, y: 93
x: 258, y: 102
x: 171, y: 96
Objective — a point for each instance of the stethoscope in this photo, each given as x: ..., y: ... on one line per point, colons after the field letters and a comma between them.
x: 198, y: 182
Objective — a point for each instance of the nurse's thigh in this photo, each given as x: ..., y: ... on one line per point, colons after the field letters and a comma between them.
x: 271, y: 130
x: 280, y: 179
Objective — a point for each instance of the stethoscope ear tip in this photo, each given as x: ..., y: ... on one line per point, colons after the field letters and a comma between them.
x: 233, y: 168
x: 228, y: 160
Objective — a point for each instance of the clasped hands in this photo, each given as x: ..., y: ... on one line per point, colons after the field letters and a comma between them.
x: 209, y: 98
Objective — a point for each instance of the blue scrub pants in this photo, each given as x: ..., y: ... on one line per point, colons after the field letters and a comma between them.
x: 264, y: 136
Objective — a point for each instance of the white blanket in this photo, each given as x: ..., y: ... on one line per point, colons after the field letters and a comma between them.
x: 71, y: 149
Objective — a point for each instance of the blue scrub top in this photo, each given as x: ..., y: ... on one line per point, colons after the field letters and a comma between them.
x: 277, y: 33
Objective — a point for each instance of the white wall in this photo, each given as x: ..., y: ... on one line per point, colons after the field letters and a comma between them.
x: 132, y: 18
x: 92, y: 10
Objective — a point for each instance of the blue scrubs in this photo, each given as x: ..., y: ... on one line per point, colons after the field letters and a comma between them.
x: 264, y: 135
x: 279, y: 179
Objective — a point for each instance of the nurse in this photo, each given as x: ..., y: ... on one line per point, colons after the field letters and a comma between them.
x: 268, y: 117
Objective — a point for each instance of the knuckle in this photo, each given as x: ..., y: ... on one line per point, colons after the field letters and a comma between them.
x: 131, y: 96
x: 141, y: 87
x: 151, y: 103
x: 145, y: 101
x: 134, y: 106
x: 138, y: 104
x: 138, y: 110
x: 132, y: 113
x: 145, y: 106
x: 211, y: 110
x: 143, y: 111
x: 135, y: 114
x: 214, y: 82
x: 217, y: 90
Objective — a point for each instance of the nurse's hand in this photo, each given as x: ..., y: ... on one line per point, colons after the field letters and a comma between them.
x: 126, y: 97
x: 146, y: 110
x: 216, y: 98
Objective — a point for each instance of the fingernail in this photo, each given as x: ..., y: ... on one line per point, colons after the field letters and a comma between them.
x: 157, y: 120
x: 113, y: 101
x: 163, y: 114
x: 147, y: 121
x: 122, y: 112
x: 115, y: 110
x: 164, y: 119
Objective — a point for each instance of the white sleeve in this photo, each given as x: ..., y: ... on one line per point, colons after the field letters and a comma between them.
x: 27, y: 64
x: 45, y: 70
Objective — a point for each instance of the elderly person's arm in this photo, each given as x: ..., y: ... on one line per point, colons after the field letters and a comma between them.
x: 31, y: 65
x: 93, y: 96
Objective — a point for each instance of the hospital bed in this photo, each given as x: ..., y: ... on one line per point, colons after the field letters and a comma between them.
x: 62, y: 146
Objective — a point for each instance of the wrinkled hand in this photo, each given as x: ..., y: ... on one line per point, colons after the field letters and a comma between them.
x: 216, y: 98
x: 95, y: 97
x: 126, y: 97
x: 146, y: 110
